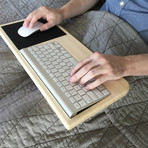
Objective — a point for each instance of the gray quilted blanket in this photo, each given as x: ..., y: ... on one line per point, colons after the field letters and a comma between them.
x: 26, y: 119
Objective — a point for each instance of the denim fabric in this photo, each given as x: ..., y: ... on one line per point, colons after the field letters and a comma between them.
x: 135, y: 12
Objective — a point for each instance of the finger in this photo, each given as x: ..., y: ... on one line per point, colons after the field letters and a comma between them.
x: 80, y: 65
x: 77, y: 76
x: 100, y: 80
x: 35, y: 19
x: 29, y: 18
x: 94, y: 57
x: 26, y: 23
x: 46, y: 26
x: 96, y: 71
x: 82, y: 70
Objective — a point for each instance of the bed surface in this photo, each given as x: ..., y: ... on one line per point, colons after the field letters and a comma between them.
x: 26, y: 119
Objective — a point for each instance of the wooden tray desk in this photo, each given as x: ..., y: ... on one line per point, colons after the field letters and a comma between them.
x: 118, y: 88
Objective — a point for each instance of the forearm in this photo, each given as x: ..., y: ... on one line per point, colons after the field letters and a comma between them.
x: 136, y: 65
x: 76, y: 7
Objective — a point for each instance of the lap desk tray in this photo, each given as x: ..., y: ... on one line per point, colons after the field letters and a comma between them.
x: 118, y: 88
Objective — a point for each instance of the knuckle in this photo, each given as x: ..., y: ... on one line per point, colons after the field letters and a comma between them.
x: 98, y: 81
x: 42, y: 8
x: 92, y: 72
x: 75, y: 77
x: 82, y: 80
x: 27, y: 20
x: 110, y: 69
x: 109, y: 66
x: 104, y: 60
x: 92, y: 85
x: 86, y: 68
x: 30, y: 15
x: 96, y: 55
x: 112, y: 73
x: 81, y: 62
x: 35, y: 17
x: 45, y: 27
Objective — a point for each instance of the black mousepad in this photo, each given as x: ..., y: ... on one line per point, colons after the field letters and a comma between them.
x: 37, y: 37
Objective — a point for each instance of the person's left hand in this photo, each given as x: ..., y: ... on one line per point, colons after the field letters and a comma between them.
x: 99, y: 66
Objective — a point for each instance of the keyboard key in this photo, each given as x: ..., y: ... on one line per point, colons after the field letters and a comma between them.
x: 48, y: 56
x: 61, y: 70
x: 77, y: 105
x: 98, y: 93
x: 51, y: 75
x: 69, y: 87
x: 55, y: 63
x: 50, y: 66
x: 61, y: 78
x: 52, y: 53
x: 62, y: 57
x: 51, y: 46
x: 51, y: 59
x: 92, y: 95
x: 48, y: 71
x: 73, y: 61
x: 62, y: 64
x: 81, y: 92
x: 59, y: 84
x: 67, y: 94
x: 57, y: 74
x: 105, y: 92
x: 65, y: 74
x: 82, y: 103
x: 45, y: 66
x: 69, y: 64
x: 72, y: 100
x: 38, y: 59
x: 73, y: 92
x: 87, y: 99
x: 65, y: 83
x: 45, y: 46
x: 63, y: 89
x: 59, y: 54
x: 66, y: 67
x: 101, y: 87
x: 54, y: 70
x: 55, y: 80
x: 77, y: 87
x: 39, y: 52
x: 77, y: 97
x: 67, y: 55
x: 58, y: 66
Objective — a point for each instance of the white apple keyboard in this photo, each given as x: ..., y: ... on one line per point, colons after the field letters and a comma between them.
x: 53, y: 64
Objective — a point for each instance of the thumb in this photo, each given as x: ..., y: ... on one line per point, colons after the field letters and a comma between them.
x: 46, y: 26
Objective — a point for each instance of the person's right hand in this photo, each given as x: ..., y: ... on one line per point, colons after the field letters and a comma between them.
x: 53, y: 17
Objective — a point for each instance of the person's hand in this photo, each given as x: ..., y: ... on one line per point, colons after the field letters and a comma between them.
x: 53, y: 17
x: 100, y: 67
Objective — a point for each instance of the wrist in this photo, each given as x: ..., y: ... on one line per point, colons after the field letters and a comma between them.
x: 128, y: 66
x: 134, y: 65
x: 62, y: 11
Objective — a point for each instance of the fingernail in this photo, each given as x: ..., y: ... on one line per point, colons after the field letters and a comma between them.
x: 80, y: 82
x: 71, y: 80
x: 24, y: 25
x: 87, y: 87
x: 30, y: 26
x: 71, y: 72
